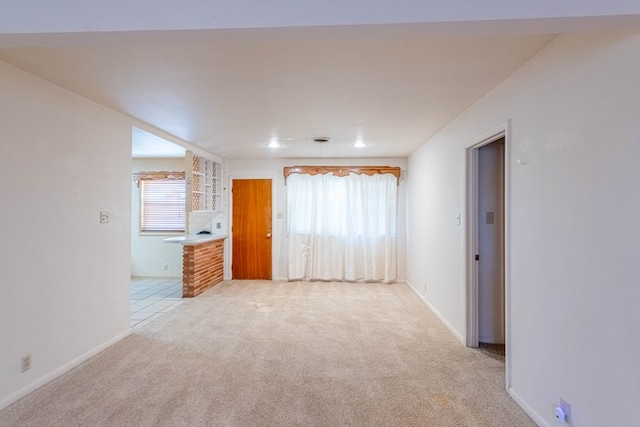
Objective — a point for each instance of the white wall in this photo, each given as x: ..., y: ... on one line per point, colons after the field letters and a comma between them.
x: 273, y: 168
x: 65, y: 276
x: 573, y: 233
x: 148, y: 252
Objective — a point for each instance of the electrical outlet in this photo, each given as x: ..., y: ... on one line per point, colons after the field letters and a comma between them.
x: 104, y: 217
x: 165, y: 266
x: 25, y: 363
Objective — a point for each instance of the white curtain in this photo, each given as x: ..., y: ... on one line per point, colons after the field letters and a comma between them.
x: 342, y: 228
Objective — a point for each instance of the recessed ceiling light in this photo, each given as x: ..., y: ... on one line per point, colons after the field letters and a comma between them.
x: 359, y: 144
x: 274, y: 143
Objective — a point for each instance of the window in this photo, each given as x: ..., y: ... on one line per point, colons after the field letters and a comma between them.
x: 162, y: 205
x: 346, y: 207
x: 342, y: 227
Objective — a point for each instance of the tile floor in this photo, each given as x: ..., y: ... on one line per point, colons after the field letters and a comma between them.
x: 152, y: 297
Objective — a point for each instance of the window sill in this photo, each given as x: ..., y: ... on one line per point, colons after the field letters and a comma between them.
x: 160, y: 233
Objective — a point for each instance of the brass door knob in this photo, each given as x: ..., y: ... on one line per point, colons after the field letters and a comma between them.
x: 268, y: 235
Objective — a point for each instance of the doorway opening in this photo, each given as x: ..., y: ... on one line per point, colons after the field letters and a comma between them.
x: 156, y: 268
x: 487, y: 226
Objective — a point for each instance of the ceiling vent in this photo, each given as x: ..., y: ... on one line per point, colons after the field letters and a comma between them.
x: 321, y: 139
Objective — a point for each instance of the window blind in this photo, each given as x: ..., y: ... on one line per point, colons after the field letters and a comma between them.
x: 162, y: 205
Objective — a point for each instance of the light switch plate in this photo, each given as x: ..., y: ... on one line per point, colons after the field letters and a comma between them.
x: 489, y: 217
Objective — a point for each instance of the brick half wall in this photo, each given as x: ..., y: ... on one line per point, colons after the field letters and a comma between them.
x: 202, y: 267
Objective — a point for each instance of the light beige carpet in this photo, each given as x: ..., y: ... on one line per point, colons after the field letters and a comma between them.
x: 249, y: 353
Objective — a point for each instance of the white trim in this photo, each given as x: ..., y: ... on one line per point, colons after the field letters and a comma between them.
x: 471, y: 249
x: 526, y: 408
x: 175, y: 140
x: 507, y: 252
x: 471, y: 289
x: 453, y: 330
x: 29, y: 388
x: 488, y: 136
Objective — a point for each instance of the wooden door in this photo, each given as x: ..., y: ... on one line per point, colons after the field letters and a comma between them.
x: 251, y: 229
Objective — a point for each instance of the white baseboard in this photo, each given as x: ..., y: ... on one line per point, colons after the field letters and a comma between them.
x: 528, y: 409
x: 437, y: 313
x: 12, y: 398
x: 515, y: 396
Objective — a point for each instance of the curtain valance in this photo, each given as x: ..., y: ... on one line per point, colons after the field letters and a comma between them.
x: 342, y: 170
x: 144, y: 176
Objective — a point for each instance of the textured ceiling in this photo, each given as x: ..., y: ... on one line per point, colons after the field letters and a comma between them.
x: 231, y: 91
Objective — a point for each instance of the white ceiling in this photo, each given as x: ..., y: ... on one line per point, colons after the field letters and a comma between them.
x: 230, y: 91
x: 145, y: 144
x: 228, y: 77
x: 73, y: 16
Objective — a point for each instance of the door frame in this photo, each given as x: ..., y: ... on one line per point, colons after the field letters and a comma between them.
x: 275, y: 230
x: 471, y: 239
